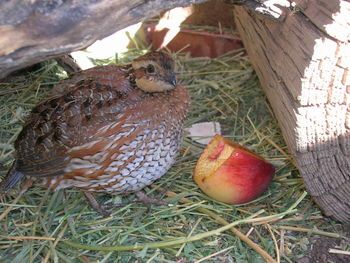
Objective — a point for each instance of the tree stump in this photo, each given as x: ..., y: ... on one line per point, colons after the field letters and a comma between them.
x: 303, y: 64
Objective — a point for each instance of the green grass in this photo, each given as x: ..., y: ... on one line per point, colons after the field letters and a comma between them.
x: 61, y: 227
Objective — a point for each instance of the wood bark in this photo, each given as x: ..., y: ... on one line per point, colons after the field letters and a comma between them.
x: 304, y: 66
x: 32, y: 31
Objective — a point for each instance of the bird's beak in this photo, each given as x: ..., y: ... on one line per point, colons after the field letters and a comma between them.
x: 172, y: 80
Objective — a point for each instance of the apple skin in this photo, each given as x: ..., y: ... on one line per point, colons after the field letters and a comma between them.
x: 231, y: 174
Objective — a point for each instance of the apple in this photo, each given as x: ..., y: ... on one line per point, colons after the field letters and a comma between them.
x: 230, y: 173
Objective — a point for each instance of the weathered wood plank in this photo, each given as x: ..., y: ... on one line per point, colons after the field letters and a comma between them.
x: 32, y: 31
x: 301, y: 65
x: 336, y: 23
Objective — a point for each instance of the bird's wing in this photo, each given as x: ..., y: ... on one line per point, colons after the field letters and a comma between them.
x: 72, y: 119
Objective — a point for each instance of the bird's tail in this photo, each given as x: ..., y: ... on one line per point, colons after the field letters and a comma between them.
x: 11, y: 179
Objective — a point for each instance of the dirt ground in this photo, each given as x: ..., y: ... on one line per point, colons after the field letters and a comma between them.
x: 319, y: 249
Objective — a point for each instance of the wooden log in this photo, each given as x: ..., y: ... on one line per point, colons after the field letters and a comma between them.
x: 32, y: 31
x: 304, y: 66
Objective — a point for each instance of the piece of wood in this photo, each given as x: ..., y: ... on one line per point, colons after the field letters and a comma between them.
x: 303, y: 64
x: 32, y: 31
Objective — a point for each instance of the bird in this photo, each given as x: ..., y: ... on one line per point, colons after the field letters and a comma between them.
x: 109, y: 129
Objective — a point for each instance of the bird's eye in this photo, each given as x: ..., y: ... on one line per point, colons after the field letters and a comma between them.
x: 150, y: 69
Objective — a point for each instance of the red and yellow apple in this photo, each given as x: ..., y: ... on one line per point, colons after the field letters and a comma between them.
x: 230, y: 173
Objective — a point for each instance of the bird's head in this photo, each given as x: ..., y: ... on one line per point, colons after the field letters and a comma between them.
x: 154, y: 72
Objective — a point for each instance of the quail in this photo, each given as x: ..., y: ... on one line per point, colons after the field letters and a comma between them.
x: 111, y: 129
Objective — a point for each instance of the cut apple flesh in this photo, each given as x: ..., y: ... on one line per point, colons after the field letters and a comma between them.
x: 229, y: 173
